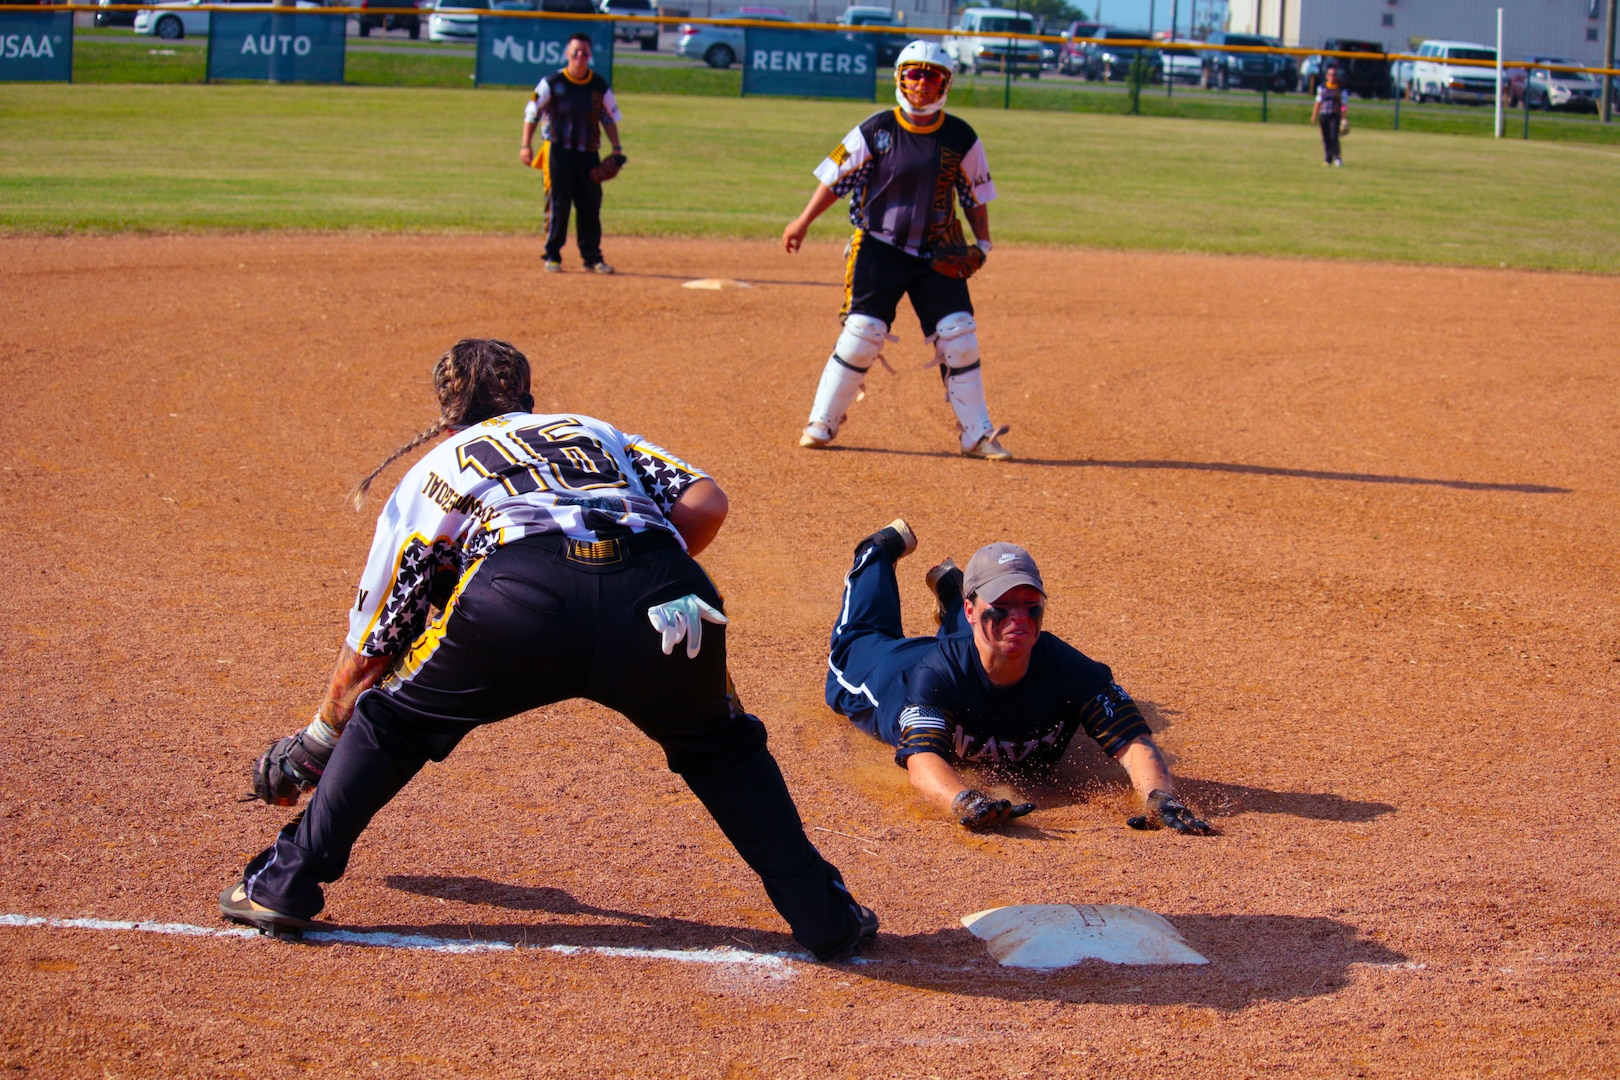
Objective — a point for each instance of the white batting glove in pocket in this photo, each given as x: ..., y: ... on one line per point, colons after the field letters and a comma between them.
x: 683, y: 618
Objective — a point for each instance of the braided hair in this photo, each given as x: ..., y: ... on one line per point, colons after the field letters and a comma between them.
x: 476, y: 379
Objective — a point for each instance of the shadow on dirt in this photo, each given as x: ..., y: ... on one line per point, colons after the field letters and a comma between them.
x: 1233, y: 467
x: 1253, y: 958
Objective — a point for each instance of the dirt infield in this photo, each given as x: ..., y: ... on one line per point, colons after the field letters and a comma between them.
x: 1348, y: 533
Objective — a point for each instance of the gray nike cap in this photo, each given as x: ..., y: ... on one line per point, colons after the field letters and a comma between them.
x: 996, y: 569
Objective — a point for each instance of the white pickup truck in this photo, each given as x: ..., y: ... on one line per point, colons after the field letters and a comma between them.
x: 974, y: 45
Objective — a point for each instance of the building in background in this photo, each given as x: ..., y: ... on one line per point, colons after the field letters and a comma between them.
x: 1569, y: 28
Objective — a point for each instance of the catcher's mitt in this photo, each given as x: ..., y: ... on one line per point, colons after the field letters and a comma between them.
x: 1344, y: 125
x: 608, y: 169
x: 954, y: 257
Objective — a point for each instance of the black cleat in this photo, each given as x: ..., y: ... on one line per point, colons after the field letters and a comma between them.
x: 945, y: 582
x: 236, y: 905
x: 865, y: 932
x: 896, y: 540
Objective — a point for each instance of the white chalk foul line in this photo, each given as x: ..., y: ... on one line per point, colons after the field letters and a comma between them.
x: 779, y: 963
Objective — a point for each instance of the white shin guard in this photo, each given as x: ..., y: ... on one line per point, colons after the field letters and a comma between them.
x: 836, y: 392
x: 858, y: 348
x: 965, y: 391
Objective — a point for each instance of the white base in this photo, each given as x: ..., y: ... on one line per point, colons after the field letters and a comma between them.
x: 716, y: 284
x: 1047, y: 936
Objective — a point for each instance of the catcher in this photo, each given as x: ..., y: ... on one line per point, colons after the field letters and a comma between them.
x: 903, y: 169
x: 572, y: 107
x: 990, y: 690
x: 559, y: 553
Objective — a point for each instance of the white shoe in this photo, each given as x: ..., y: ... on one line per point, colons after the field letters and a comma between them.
x: 816, y: 436
x: 600, y: 268
x: 989, y: 448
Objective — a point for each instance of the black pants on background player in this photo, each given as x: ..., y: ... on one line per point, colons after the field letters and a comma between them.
x: 568, y: 173
x: 541, y: 621
x: 1330, y: 137
x: 882, y: 274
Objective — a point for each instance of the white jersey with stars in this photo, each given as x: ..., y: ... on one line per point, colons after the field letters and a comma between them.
x: 515, y: 475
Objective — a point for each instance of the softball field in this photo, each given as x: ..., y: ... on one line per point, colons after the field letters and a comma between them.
x: 1348, y: 533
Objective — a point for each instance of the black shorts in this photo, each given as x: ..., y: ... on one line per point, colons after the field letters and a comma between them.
x: 878, y: 275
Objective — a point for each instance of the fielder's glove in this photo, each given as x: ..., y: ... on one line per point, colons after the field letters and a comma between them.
x: 1344, y: 125
x: 1165, y: 811
x: 608, y: 169
x: 976, y: 810
x: 683, y: 618
x: 290, y: 767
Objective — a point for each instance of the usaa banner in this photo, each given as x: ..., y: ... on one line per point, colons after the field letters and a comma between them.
x: 520, y: 52
x: 36, y: 46
x: 809, y: 63
x: 277, y: 47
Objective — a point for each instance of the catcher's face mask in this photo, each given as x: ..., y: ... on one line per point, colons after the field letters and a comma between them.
x: 921, y: 88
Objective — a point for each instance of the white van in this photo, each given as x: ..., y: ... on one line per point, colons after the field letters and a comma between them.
x: 1434, y: 79
x: 974, y: 46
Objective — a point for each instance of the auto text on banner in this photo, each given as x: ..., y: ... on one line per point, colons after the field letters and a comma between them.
x: 521, y: 52
x: 36, y: 46
x: 276, y: 46
x: 809, y: 63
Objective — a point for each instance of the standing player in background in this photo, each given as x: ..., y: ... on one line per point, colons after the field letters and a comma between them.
x: 903, y: 169
x: 1332, y: 114
x: 559, y: 552
x: 572, y: 107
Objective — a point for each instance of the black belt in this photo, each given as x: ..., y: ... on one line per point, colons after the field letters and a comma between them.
x: 614, y: 549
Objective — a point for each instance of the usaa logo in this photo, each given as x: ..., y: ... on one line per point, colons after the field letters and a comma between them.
x: 26, y: 47
x: 533, y: 52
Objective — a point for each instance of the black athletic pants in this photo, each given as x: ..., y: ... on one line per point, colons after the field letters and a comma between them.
x: 569, y: 186
x: 532, y: 626
x: 1330, y: 137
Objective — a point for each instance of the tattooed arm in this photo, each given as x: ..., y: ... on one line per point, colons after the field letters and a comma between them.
x: 353, y: 675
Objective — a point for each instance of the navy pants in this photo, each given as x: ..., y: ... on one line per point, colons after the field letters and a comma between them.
x: 869, y: 651
x: 569, y: 188
x: 1330, y: 137
x: 532, y: 626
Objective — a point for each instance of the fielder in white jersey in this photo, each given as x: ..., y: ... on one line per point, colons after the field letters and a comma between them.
x: 558, y: 552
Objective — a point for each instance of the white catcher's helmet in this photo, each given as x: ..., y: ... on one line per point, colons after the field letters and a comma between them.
x: 926, y: 54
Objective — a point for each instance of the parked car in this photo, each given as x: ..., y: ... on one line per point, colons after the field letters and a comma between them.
x: 1548, y: 89
x: 1183, y: 60
x: 1108, y: 60
x: 176, y: 19
x: 1071, y: 58
x: 722, y: 46
x: 113, y: 18
x: 644, y: 34
x: 412, y: 24
x: 455, y: 20
x: 1435, y: 77
x: 1255, y: 70
x: 887, y: 46
x: 973, y: 43
x: 1361, y: 76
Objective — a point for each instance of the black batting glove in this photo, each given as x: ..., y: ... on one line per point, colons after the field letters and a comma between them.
x: 1165, y: 811
x: 976, y: 810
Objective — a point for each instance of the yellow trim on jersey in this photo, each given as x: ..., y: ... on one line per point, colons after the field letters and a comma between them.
x: 382, y: 604
x: 669, y: 459
x: 577, y: 82
x: 849, y: 270
x: 423, y: 648
x: 926, y: 129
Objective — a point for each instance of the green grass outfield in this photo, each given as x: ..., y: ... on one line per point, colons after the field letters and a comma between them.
x: 169, y: 157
